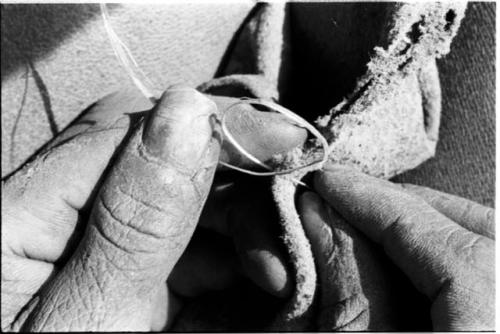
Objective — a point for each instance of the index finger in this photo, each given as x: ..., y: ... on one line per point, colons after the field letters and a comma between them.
x: 473, y: 216
x: 429, y: 247
x: 263, y: 134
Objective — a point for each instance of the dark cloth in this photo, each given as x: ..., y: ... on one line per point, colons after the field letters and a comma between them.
x: 464, y: 164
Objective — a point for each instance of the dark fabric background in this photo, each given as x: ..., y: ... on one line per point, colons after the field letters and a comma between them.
x: 465, y: 158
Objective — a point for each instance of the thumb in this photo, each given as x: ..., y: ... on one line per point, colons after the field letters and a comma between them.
x: 142, y: 220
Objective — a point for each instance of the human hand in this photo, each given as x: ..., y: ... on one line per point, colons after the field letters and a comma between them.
x: 115, y: 279
x: 443, y: 243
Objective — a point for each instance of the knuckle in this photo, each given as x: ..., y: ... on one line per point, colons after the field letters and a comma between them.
x: 195, y: 97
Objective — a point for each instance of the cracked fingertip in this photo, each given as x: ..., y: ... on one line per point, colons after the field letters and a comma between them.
x: 180, y: 127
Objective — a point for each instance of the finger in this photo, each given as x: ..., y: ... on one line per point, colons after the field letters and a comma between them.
x: 21, y: 279
x: 473, y: 216
x: 142, y: 220
x: 430, y: 248
x: 209, y: 263
x: 241, y: 210
x: 40, y: 202
x: 43, y: 199
x: 357, y: 288
x: 263, y: 134
x: 253, y: 226
x: 343, y: 305
x: 166, y: 308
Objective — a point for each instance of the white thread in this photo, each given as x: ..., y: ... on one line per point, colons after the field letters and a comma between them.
x: 126, y: 58
x: 238, y: 146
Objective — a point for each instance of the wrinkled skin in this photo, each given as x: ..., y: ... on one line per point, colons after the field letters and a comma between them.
x: 97, y: 229
x: 95, y: 225
x: 443, y: 243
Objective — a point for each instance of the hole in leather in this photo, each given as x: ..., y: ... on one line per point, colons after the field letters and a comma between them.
x: 415, y: 32
x: 414, y: 35
x: 403, y: 64
x: 450, y: 18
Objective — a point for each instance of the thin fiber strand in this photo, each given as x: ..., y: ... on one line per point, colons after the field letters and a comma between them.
x: 126, y: 58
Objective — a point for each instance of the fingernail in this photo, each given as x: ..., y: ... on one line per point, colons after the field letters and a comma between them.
x: 311, y: 206
x: 263, y: 134
x: 314, y: 220
x: 179, y: 128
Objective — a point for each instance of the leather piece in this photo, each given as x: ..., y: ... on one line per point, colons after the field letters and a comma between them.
x: 389, y: 127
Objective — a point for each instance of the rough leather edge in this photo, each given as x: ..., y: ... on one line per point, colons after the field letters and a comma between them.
x: 421, y: 33
x: 406, y: 54
x: 297, y: 312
